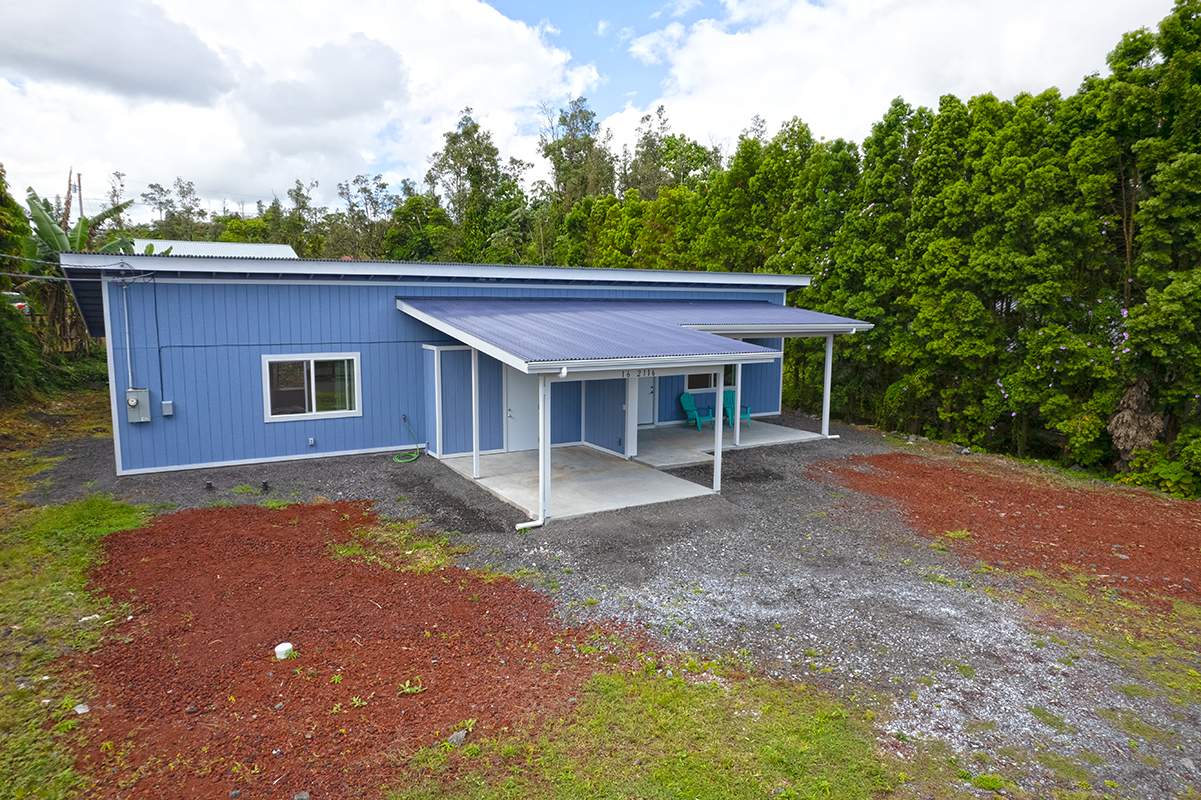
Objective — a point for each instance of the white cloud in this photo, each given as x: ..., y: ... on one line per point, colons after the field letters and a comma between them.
x: 130, y: 48
x: 659, y: 45
x: 840, y: 64
x: 602, y: 27
x: 244, y: 97
x: 681, y: 7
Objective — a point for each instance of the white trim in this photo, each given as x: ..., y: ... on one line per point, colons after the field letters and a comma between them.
x: 400, y: 269
x: 685, y: 363
x: 403, y: 283
x: 471, y: 341
x: 112, y: 384
x: 826, y: 386
x: 475, y: 414
x: 269, y: 358
x: 270, y: 460
x: 630, y: 447
x: 437, y: 399
x: 719, y: 379
x: 774, y: 330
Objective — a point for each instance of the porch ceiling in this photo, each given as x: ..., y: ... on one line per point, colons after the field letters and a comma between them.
x: 545, y: 335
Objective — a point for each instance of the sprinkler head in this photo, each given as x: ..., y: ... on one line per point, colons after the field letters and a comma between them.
x: 265, y: 486
x: 208, y: 485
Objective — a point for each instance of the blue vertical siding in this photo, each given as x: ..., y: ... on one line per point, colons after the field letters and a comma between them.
x: 762, y: 383
x: 456, y: 402
x: 670, y: 388
x: 604, y: 413
x: 565, y: 421
x: 200, y: 345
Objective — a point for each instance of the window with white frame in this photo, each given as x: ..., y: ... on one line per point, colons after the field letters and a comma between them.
x: 311, y: 386
x: 702, y: 380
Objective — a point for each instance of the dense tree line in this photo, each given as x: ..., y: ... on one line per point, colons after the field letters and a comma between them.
x: 1032, y: 266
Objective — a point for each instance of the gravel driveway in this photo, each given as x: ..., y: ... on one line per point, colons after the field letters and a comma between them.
x: 803, y: 579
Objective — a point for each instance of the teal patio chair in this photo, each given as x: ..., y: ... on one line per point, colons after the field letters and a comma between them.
x: 727, y: 407
x: 694, y: 414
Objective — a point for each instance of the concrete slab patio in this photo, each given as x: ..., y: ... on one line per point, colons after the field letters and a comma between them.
x: 585, y: 480
x: 675, y: 446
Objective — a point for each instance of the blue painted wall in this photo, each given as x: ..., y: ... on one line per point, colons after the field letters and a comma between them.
x: 604, y: 415
x: 761, y: 383
x: 456, y: 403
x: 200, y: 345
x: 565, y: 420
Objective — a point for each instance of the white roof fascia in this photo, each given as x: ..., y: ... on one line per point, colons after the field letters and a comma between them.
x: 498, y: 272
x: 633, y: 362
x: 500, y: 354
x: 780, y: 329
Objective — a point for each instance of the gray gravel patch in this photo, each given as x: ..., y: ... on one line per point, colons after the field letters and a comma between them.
x: 804, y: 580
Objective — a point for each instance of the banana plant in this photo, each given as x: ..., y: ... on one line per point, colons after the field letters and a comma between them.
x: 48, y: 239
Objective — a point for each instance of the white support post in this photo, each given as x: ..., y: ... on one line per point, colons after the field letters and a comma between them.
x: 737, y: 412
x: 475, y: 413
x: 631, y: 441
x: 826, y: 385
x: 718, y: 380
x: 543, y: 447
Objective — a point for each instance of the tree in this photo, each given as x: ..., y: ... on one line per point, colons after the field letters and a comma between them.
x: 13, y: 229
x: 63, y: 327
x: 581, y: 161
x: 359, y: 231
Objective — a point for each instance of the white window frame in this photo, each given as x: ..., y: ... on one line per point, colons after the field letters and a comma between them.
x: 708, y: 376
x: 268, y: 359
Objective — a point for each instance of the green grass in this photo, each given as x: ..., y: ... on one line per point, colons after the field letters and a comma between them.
x: 43, y: 597
x: 1049, y: 718
x: 400, y: 545
x: 650, y: 736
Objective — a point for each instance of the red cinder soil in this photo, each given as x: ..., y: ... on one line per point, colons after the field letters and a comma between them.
x: 1145, y: 546
x: 190, y: 700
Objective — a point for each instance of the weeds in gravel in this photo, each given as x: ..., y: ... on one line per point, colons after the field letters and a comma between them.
x: 48, y: 611
x: 655, y: 736
x: 399, y: 545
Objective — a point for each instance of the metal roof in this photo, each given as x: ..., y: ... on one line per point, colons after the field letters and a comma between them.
x: 85, y: 270
x: 256, y: 266
x: 545, y: 335
x: 215, y: 249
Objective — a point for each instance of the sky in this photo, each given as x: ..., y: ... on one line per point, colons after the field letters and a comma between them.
x: 244, y: 97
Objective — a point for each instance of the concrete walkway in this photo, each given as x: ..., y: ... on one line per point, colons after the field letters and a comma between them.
x: 684, y: 446
x: 585, y: 480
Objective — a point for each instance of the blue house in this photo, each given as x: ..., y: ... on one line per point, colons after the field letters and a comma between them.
x: 221, y: 360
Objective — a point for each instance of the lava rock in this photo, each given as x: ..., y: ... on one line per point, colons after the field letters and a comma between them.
x: 457, y: 738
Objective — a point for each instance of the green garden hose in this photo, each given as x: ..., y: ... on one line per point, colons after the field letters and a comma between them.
x: 409, y: 457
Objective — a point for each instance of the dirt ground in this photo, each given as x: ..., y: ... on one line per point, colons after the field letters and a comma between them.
x: 847, y: 563
x: 191, y: 700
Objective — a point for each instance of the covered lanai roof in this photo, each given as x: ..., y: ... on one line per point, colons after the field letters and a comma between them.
x: 547, y: 335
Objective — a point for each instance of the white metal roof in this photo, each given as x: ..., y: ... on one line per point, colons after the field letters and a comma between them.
x: 220, y: 249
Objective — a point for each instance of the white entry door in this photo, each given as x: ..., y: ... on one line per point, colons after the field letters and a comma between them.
x: 646, y: 401
x: 521, y: 410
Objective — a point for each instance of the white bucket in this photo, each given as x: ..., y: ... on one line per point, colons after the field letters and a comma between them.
x: 282, y: 650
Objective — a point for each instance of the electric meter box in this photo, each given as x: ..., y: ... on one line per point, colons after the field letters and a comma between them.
x: 137, y: 405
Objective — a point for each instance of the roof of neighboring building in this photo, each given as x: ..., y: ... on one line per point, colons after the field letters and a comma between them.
x: 217, y: 249
x: 546, y: 335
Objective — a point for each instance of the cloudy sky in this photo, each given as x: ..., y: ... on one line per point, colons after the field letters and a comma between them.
x: 244, y: 97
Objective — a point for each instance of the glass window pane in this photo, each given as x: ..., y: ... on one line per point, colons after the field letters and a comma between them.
x: 702, y: 381
x: 334, y: 381
x: 289, y: 387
